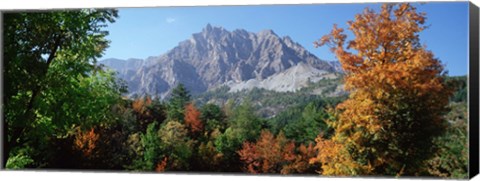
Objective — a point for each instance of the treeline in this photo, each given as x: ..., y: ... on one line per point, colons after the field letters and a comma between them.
x: 269, y: 103
x: 146, y: 134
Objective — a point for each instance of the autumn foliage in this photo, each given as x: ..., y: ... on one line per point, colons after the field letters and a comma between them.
x: 192, y: 118
x: 146, y: 111
x: 140, y: 105
x: 397, y: 96
x: 140, y: 108
x: 162, y: 165
x: 86, y: 141
x: 272, y: 154
x: 299, y: 161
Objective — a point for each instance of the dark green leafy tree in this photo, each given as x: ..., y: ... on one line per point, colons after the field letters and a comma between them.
x: 245, y: 125
x: 306, y: 129
x: 178, y: 100
x: 204, y: 156
x: 459, y: 84
x: 282, y: 119
x: 168, y: 147
x: 214, y: 118
x: 451, y: 159
x: 51, y: 79
x: 150, y: 149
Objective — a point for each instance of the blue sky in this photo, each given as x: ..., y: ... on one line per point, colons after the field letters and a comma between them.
x: 144, y: 32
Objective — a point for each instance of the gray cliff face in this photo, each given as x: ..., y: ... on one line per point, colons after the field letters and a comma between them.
x: 337, y: 66
x: 215, y: 57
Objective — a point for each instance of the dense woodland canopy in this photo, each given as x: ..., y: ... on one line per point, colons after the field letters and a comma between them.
x: 403, y: 114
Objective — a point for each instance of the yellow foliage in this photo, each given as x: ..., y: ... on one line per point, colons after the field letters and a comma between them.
x: 397, y: 96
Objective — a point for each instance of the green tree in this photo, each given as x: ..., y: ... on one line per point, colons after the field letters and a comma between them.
x: 150, y: 149
x: 451, y: 160
x: 306, y: 129
x: 214, y: 117
x: 246, y: 122
x: 459, y: 84
x: 207, y: 158
x: 178, y: 100
x: 51, y: 79
x: 176, y: 146
x: 245, y: 125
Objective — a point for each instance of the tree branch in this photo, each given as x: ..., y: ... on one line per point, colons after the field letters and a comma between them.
x: 17, y: 131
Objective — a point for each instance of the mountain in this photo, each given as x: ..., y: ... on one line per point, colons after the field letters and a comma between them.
x: 288, y: 80
x: 215, y: 57
x: 126, y: 69
x: 337, y: 66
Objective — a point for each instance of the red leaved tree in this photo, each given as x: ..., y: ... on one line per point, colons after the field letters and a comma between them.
x: 192, y: 118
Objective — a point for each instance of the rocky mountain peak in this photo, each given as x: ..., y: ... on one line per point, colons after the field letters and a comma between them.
x: 267, y: 32
x: 215, y: 57
x: 208, y: 27
x: 213, y: 31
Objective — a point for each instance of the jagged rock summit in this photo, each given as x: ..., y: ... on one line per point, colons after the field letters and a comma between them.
x: 215, y: 57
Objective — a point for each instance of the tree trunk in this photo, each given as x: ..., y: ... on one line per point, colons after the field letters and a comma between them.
x: 18, y: 131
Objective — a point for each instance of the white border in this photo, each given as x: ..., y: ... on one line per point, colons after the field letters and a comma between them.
x: 62, y: 4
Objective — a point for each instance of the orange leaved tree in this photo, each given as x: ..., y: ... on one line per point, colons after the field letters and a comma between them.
x: 264, y: 156
x: 276, y: 154
x: 86, y: 141
x: 192, y: 118
x: 397, y: 96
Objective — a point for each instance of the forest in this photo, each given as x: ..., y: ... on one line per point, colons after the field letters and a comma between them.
x: 402, y: 116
